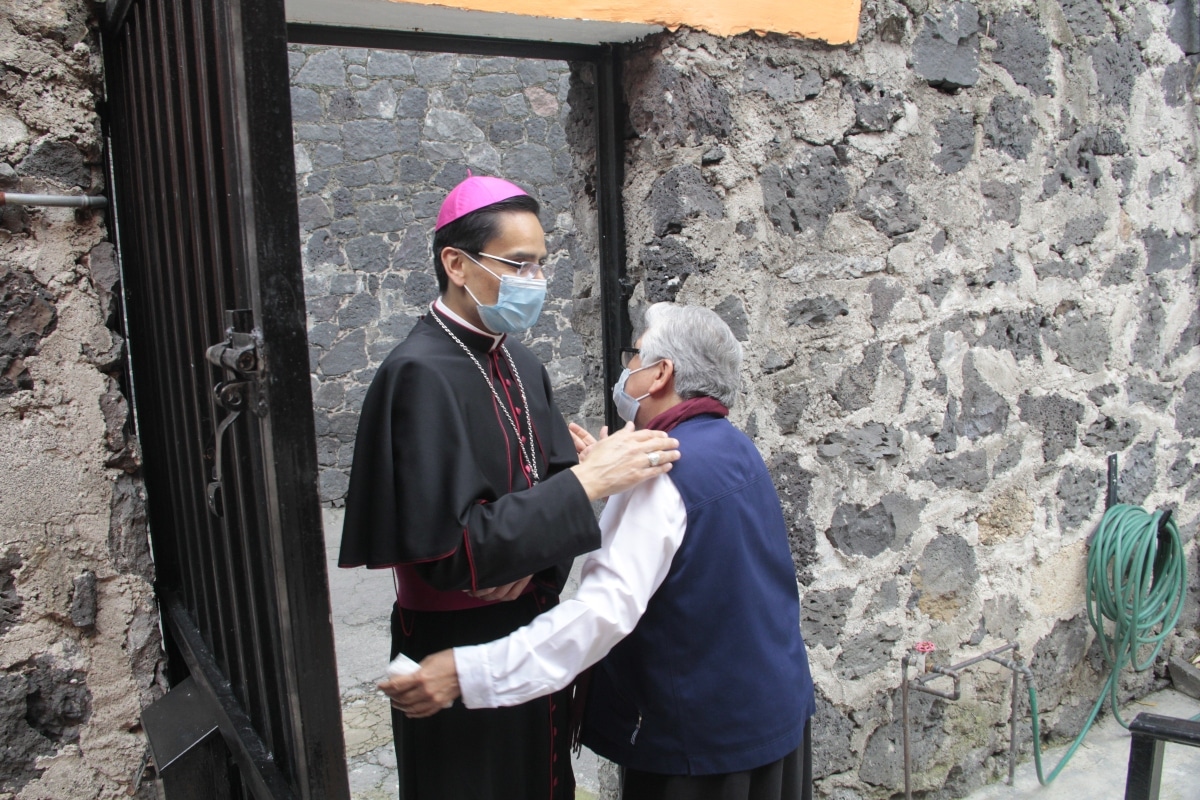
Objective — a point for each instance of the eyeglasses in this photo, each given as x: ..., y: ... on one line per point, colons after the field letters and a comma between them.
x: 627, y: 356
x: 525, y: 269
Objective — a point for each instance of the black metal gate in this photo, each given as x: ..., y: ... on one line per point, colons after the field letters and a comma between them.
x: 205, y: 212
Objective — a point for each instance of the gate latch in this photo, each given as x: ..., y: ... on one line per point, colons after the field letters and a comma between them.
x: 241, y: 354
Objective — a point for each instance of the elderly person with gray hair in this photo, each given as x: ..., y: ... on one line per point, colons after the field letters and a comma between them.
x: 689, y: 610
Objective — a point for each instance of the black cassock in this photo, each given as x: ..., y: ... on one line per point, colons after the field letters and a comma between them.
x: 441, y: 489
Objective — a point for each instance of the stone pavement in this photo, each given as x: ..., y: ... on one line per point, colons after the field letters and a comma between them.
x: 362, y: 605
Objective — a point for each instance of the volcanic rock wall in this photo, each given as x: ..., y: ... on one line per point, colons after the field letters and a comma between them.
x: 79, y: 637
x: 961, y: 256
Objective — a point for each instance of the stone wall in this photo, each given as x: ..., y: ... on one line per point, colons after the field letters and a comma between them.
x: 79, y: 638
x: 962, y: 257
x: 381, y: 136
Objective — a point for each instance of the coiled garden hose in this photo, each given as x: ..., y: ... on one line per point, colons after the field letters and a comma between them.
x: 1136, y: 579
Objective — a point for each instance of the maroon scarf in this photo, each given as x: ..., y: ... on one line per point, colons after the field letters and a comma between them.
x: 680, y: 412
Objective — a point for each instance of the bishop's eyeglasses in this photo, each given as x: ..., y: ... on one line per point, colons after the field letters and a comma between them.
x: 525, y: 269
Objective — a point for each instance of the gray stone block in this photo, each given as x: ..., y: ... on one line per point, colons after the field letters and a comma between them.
x: 1117, y: 64
x: 676, y: 107
x: 314, y: 213
x: 1008, y: 458
x: 1009, y: 126
x: 804, y: 196
x: 389, y: 64
x: 861, y: 530
x: 1111, y: 435
x: 946, y: 569
x: 946, y: 49
x: 1056, y: 417
x: 1078, y: 490
x: 956, y: 140
x: 381, y: 218
x: 884, y: 296
x: 776, y: 82
x: 1165, y: 252
x: 1121, y: 271
x: 814, y: 311
x: 793, y: 484
x: 789, y: 411
x: 1004, y: 270
x: 361, y: 311
x: 322, y: 68
x: 322, y: 335
x: 867, y: 653
x: 831, y: 740
x: 984, y: 411
x: 679, y: 196
x: 368, y: 253
x: 733, y: 311
x: 444, y: 125
x: 966, y: 471
x: 866, y: 448
x: 885, y: 203
x: 1086, y: 17
x: 365, y: 139
x: 1081, y: 230
x: 529, y: 164
x: 823, y: 615
x: 1003, y: 201
x: 1023, y: 50
x: 1081, y: 343
x: 306, y: 105
x: 1155, y: 395
x: 345, y: 356
x: 1139, y: 473
x: 855, y: 387
x: 435, y: 69
x: 876, y: 108
x: 667, y: 263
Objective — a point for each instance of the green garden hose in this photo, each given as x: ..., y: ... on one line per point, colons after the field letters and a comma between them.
x: 1136, y: 579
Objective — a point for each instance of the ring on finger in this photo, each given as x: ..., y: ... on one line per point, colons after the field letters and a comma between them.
x: 655, y: 457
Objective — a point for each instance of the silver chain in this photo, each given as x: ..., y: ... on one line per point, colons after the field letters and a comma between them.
x: 528, y: 454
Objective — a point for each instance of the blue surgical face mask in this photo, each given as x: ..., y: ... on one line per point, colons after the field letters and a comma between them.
x: 627, y: 407
x: 517, y: 306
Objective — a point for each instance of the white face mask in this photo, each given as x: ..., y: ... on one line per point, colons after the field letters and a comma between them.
x: 627, y: 407
x: 517, y: 306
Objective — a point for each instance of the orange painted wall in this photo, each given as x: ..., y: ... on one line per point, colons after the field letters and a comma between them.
x: 833, y: 21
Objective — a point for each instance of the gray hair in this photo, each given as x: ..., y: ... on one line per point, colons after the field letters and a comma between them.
x: 706, y: 355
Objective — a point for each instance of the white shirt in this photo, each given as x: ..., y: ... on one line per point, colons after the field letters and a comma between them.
x: 641, y: 529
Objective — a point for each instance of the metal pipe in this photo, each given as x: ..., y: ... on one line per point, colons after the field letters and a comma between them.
x: 904, y: 711
x: 1012, y: 728
x: 61, y: 200
x: 952, y: 672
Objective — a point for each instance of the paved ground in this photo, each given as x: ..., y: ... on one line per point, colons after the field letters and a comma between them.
x: 362, y: 602
x: 1097, y: 770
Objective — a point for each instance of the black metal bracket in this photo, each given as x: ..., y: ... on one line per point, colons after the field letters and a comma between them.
x: 1149, y: 733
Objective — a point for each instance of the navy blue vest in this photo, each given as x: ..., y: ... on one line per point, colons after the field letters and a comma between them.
x: 714, y: 678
